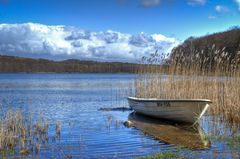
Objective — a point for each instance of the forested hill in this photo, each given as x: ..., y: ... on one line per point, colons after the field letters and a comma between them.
x: 19, y: 64
x: 223, y: 47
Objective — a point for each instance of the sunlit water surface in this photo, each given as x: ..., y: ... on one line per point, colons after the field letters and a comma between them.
x: 86, y: 132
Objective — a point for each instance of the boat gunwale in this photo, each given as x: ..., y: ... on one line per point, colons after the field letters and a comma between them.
x: 167, y: 100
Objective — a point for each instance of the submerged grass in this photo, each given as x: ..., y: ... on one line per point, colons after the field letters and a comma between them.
x: 164, y: 155
x: 230, y: 141
x: 21, y: 135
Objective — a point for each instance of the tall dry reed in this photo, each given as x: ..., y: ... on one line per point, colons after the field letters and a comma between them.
x: 215, y: 77
x: 20, y: 134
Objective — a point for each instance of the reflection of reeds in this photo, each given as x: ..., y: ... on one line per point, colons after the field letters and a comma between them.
x: 216, y: 77
x: 20, y: 134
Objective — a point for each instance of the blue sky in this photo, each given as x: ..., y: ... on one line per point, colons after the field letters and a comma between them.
x: 169, y: 17
x: 177, y: 19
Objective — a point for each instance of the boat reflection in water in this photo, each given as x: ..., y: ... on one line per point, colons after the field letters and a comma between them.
x: 188, y: 136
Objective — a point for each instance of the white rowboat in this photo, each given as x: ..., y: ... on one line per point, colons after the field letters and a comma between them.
x: 180, y: 110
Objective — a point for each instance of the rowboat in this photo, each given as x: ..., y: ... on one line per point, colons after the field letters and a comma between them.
x: 179, y: 110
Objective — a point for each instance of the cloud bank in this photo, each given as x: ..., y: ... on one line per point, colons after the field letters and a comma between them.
x: 64, y: 42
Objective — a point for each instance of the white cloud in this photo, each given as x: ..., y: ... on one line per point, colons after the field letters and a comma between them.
x: 238, y: 3
x: 160, y: 37
x: 62, y: 42
x: 196, y: 2
x: 221, y: 9
x: 149, y: 3
x: 212, y: 17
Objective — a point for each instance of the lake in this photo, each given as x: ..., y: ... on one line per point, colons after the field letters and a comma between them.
x: 74, y: 100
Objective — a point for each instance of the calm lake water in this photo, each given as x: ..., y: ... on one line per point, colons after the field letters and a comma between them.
x: 86, y: 132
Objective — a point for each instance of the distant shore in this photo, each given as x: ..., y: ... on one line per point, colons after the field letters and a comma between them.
x: 13, y: 64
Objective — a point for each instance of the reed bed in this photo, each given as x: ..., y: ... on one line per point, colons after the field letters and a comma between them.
x: 215, y: 77
x: 21, y: 135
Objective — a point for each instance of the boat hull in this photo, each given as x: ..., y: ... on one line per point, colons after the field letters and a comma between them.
x: 187, y: 111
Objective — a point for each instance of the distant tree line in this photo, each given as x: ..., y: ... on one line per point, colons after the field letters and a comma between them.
x: 18, y: 64
x: 211, y: 51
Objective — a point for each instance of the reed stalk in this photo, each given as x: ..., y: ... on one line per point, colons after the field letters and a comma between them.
x: 20, y: 134
x: 195, y: 76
